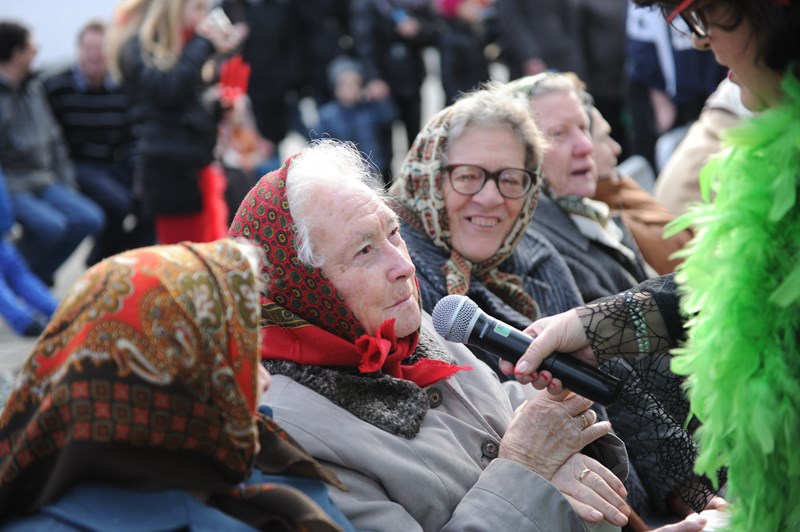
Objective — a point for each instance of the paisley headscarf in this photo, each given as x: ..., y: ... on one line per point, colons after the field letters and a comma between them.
x: 419, y: 192
x: 145, y: 377
x: 306, y: 319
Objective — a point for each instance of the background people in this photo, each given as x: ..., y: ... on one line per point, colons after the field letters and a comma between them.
x: 40, y: 177
x: 25, y: 302
x: 91, y: 109
x: 385, y: 402
x: 354, y: 117
x: 642, y: 214
x: 159, y: 49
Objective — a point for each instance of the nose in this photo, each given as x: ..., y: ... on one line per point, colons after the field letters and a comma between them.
x: 400, y: 266
x: 489, y: 194
x: 616, y: 149
x: 583, y: 144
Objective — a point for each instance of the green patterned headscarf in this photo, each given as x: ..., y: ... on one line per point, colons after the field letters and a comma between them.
x: 418, y: 189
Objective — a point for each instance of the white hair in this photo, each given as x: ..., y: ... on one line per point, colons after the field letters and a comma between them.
x: 323, y: 166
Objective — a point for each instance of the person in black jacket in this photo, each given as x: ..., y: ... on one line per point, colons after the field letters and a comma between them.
x: 389, y: 37
x: 159, y: 50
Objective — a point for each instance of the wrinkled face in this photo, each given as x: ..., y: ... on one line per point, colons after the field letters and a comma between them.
x: 737, y: 50
x: 480, y: 223
x: 193, y: 12
x: 606, y: 149
x: 358, y: 238
x: 568, y: 163
x: 348, y: 88
x: 91, y: 57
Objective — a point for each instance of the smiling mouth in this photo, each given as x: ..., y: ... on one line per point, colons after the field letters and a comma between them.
x: 482, y: 221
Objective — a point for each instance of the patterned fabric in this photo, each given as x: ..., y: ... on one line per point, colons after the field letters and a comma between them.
x: 306, y: 320
x: 144, y: 378
x: 419, y: 192
x: 581, y: 206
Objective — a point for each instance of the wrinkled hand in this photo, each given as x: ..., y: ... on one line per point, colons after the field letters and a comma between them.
x: 594, y: 492
x: 545, y: 431
x: 562, y: 332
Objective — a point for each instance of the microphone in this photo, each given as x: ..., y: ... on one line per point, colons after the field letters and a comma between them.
x: 458, y: 319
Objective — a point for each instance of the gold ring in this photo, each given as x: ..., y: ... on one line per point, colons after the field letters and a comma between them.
x: 584, y: 421
x: 583, y: 474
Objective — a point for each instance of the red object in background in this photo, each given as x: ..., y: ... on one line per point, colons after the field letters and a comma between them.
x: 234, y: 75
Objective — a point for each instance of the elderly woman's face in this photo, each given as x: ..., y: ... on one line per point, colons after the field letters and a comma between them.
x: 606, y: 149
x: 568, y: 162
x: 358, y: 238
x: 480, y: 223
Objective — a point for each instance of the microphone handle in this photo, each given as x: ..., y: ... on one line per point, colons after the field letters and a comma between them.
x: 510, y: 344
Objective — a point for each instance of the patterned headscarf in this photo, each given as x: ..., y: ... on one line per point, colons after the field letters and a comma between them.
x: 146, y: 377
x: 419, y: 191
x: 306, y: 318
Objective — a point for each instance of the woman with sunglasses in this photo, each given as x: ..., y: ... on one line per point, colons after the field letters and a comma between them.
x: 740, y: 282
x: 466, y: 192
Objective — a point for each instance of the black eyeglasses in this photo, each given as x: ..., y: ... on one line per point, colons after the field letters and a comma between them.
x: 695, y: 19
x: 512, y: 183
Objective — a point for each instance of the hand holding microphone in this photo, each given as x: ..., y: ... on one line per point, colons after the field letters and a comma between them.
x: 458, y: 319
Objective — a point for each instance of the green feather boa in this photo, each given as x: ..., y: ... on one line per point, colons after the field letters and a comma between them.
x: 741, y: 284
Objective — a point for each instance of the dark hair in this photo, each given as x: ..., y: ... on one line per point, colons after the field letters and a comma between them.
x: 775, y: 23
x: 93, y: 25
x: 12, y: 36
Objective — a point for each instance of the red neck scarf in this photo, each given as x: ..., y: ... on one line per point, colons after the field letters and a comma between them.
x: 305, y: 319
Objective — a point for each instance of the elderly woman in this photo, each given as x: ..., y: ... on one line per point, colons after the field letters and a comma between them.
x: 138, y: 405
x: 423, y: 434
x: 466, y: 193
x: 739, y: 280
x: 600, y: 251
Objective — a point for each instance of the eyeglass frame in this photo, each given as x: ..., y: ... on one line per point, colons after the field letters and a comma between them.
x: 694, y: 18
x: 535, y: 177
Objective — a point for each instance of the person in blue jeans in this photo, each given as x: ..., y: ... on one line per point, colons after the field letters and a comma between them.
x: 25, y: 302
x: 40, y: 177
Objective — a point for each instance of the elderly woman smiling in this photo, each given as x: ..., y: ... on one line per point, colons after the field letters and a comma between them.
x: 466, y: 193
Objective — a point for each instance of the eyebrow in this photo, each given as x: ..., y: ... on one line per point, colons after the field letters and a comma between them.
x: 365, y: 236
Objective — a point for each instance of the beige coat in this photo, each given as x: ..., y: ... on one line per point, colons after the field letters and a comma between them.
x: 445, y: 478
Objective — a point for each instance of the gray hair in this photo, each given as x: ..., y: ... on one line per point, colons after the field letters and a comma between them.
x: 324, y: 165
x: 493, y: 106
x: 532, y: 87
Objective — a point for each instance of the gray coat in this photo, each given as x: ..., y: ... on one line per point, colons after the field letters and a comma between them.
x: 446, y: 477
x: 598, y: 270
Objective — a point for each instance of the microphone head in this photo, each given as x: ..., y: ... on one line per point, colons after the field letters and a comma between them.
x: 452, y: 317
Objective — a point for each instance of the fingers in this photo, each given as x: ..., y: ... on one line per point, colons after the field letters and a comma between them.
x: 594, y: 432
x: 584, y: 511
x: 595, y: 492
x: 576, y: 405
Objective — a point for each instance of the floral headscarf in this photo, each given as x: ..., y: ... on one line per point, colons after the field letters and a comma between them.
x: 306, y: 319
x: 419, y: 191
x: 146, y: 377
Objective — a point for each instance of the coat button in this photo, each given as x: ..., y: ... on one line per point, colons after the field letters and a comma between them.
x: 490, y: 449
x: 435, y: 397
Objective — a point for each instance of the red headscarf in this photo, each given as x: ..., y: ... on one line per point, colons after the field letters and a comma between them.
x: 306, y: 319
